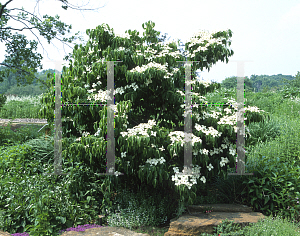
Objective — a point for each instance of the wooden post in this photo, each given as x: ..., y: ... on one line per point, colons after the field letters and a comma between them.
x: 47, y: 130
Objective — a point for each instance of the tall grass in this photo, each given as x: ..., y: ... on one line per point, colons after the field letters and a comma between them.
x: 20, y: 107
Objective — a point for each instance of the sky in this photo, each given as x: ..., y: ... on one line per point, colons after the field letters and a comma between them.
x: 264, y: 32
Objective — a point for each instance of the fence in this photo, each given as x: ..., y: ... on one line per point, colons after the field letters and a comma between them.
x: 10, y: 95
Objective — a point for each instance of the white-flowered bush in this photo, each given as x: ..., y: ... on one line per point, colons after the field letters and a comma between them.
x: 149, y: 109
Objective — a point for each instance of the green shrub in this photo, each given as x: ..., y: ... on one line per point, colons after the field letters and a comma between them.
x: 268, y: 191
x: 266, y: 130
x: 28, y: 196
x: 273, y: 190
x: 155, y: 208
x: 275, y: 163
x: 285, y: 146
x: 2, y: 100
x: 230, y: 189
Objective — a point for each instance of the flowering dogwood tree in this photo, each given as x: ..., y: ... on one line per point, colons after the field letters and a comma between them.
x: 149, y: 111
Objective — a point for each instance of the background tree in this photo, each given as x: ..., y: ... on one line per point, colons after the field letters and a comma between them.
x: 293, y: 83
x: 257, y: 83
x: 10, y: 84
x: 24, y: 60
x: 293, y: 87
x: 231, y: 82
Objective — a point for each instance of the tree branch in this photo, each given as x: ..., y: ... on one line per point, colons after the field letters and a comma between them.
x: 33, y: 34
x: 2, y: 8
x: 7, y: 41
x: 25, y: 11
x: 16, y: 29
x: 27, y: 73
x: 63, y: 1
x: 34, y: 28
x: 43, y: 32
x: 79, y: 8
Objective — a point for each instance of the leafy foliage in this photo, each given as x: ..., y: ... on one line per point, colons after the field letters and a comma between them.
x: 276, y: 178
x: 158, y: 98
x: 2, y: 100
x: 10, y: 84
x: 76, y: 199
x: 293, y: 87
x: 274, y: 159
x: 24, y: 165
x: 263, y: 131
x: 20, y: 58
x: 231, y: 82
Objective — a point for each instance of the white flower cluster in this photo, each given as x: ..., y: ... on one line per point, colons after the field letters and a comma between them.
x: 204, y: 36
x: 103, y: 96
x: 111, y: 170
x: 97, y: 133
x: 201, y: 98
x: 149, y: 65
x: 181, y: 135
x: 295, y: 99
x: 253, y: 109
x: 183, y: 179
x: 85, y: 134
x: 227, y: 110
x: 141, y: 129
x: 121, y: 49
x: 154, y: 146
x: 202, y: 151
x: 105, y: 27
x: 165, y: 51
x: 229, y: 120
x: 155, y: 161
x: 210, y: 130
x: 215, y: 151
x: 124, y: 36
x: 223, y: 161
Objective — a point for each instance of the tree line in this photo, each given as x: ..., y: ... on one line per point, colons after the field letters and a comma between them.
x: 264, y: 83
x: 256, y: 83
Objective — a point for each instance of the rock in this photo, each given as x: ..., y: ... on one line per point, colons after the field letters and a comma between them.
x: 2, y: 233
x: 220, y: 208
x: 15, y: 126
x: 104, y: 231
x: 198, y: 222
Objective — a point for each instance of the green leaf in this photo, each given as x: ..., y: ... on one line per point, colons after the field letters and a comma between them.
x: 266, y: 200
x: 138, y: 141
x: 252, y: 200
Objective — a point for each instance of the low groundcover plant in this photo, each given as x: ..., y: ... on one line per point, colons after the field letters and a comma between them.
x: 207, y: 210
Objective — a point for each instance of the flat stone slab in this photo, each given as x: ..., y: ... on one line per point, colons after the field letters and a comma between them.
x: 220, y: 208
x: 198, y: 222
x: 104, y: 231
